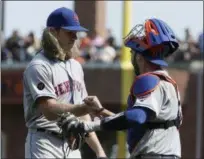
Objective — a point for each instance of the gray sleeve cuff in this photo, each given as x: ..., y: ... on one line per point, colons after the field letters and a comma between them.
x: 92, y: 126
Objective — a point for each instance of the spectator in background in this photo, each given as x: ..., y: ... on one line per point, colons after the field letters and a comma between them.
x: 188, y: 49
x: 188, y: 35
x: 108, y: 53
x: 6, y: 56
x: 81, y: 54
x: 85, y: 45
x: 96, y: 39
x: 192, y: 47
x: 31, y: 45
x: 97, y: 43
x: 183, y: 53
x: 111, y: 38
x: 200, y: 43
x: 94, y: 48
x: 15, y: 45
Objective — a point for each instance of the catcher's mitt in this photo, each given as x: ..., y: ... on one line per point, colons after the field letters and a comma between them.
x: 72, y: 130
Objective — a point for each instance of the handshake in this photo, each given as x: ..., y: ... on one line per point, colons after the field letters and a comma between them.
x: 95, y: 108
x: 75, y: 130
x: 93, y: 105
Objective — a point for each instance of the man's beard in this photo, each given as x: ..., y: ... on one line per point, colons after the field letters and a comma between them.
x: 136, y: 69
x: 73, y: 51
x: 135, y: 65
x: 67, y: 50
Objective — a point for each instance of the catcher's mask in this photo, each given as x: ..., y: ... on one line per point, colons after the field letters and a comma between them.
x: 154, y: 40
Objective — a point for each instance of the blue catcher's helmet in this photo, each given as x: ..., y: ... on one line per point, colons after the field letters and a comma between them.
x: 154, y: 40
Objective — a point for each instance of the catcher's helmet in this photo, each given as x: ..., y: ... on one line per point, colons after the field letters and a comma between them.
x: 154, y: 40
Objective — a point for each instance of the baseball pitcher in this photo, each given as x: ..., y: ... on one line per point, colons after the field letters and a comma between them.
x: 54, y: 89
x: 154, y: 115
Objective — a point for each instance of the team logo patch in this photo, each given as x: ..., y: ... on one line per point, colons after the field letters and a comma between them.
x: 40, y: 86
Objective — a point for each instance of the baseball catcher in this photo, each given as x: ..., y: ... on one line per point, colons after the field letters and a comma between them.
x: 153, y: 115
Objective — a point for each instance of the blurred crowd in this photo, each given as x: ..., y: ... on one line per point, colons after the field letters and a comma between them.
x: 17, y: 48
x: 189, y: 48
x: 93, y: 47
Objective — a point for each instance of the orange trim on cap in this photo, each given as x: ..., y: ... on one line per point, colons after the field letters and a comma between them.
x: 151, y: 27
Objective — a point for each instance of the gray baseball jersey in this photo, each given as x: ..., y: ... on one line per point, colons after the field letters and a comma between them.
x: 164, y: 102
x: 55, y: 79
x: 63, y: 81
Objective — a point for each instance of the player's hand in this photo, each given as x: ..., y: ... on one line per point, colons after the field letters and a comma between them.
x: 93, y: 103
x: 73, y: 130
x: 75, y: 127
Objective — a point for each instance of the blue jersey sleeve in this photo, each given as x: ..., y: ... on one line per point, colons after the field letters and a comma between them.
x: 134, y: 117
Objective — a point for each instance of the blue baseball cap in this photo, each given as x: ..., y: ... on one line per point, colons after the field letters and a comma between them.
x: 66, y: 19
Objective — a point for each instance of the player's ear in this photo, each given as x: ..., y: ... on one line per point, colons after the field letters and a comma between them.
x: 54, y: 31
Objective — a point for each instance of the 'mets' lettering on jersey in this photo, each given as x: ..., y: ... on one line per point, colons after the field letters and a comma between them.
x: 65, y: 87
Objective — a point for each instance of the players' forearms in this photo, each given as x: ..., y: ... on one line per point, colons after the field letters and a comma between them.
x: 95, y: 145
x: 121, y: 121
x: 106, y: 113
x: 92, y: 140
x: 51, y: 109
x: 78, y: 110
x: 114, y: 123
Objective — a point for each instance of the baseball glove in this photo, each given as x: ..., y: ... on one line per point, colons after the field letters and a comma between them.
x: 72, y: 132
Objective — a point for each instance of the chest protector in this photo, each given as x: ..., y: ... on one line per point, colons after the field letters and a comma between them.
x: 147, y: 83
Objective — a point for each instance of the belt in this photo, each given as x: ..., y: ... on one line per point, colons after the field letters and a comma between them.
x: 58, y: 135
x: 156, y: 157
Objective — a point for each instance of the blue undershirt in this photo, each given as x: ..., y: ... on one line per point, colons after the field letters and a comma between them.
x: 132, y: 120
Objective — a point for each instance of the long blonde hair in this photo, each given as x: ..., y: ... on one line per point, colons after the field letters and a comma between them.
x: 53, y: 49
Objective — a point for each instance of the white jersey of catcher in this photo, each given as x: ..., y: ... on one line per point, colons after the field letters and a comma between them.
x: 63, y: 81
x: 164, y: 102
